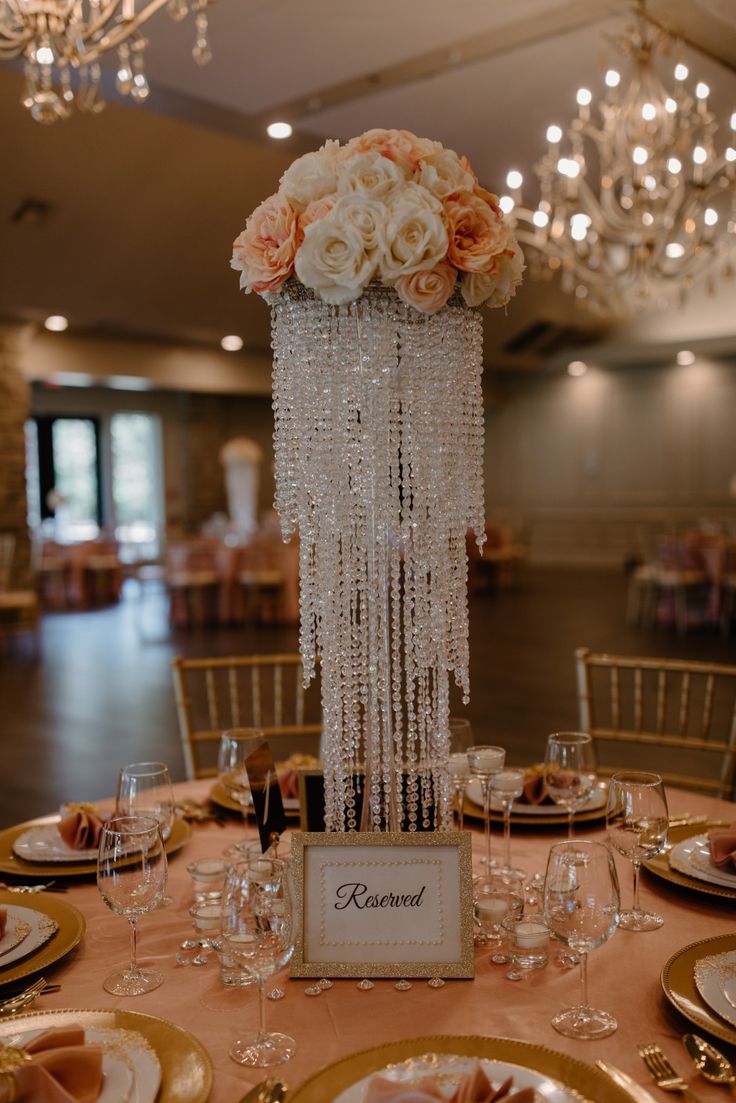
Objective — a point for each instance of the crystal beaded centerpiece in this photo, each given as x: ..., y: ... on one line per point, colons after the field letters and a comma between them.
x: 379, y: 469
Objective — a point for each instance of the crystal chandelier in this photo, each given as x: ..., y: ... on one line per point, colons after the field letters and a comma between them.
x: 60, y: 37
x: 638, y: 197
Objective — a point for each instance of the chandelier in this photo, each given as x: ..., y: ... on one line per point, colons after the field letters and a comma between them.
x: 637, y: 197
x: 59, y: 38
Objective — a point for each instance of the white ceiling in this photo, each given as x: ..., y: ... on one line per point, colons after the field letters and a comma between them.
x: 147, y: 201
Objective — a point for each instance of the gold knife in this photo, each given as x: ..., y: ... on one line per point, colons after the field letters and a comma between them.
x: 268, y: 1091
x: 623, y: 1080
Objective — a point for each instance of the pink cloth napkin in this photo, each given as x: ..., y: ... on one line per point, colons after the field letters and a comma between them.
x: 62, y: 1069
x: 473, y: 1088
x: 535, y: 787
x: 722, y: 845
x: 3, y: 920
x: 81, y: 829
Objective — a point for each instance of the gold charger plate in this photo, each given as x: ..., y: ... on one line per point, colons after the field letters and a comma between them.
x: 588, y: 1081
x: 678, y: 982
x: 474, y: 811
x: 218, y: 795
x: 186, y: 1068
x: 660, y: 865
x: 181, y: 832
x: 71, y: 927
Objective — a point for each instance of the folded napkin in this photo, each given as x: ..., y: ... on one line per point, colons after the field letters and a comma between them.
x: 722, y: 845
x: 81, y: 827
x: 287, y: 773
x: 3, y: 921
x: 475, y: 1087
x: 535, y: 787
x: 62, y: 1069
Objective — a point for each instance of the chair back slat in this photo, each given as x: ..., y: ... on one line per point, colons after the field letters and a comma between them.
x: 278, y: 701
x: 615, y: 697
x: 255, y: 680
x: 708, y: 705
x: 232, y: 680
x: 638, y: 698
x: 661, y: 699
x: 212, y: 699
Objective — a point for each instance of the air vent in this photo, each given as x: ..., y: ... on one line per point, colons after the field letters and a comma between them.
x: 32, y: 212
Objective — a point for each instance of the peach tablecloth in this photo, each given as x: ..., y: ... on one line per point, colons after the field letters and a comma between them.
x: 624, y: 977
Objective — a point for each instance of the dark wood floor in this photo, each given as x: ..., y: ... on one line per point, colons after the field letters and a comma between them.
x: 101, y: 695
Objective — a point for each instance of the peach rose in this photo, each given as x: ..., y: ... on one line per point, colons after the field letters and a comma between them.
x: 488, y: 197
x: 477, y: 234
x: 427, y: 291
x: 317, y: 209
x: 496, y: 287
x: 264, y: 252
x: 400, y: 146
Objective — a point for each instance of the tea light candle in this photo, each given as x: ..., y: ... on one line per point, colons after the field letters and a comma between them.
x: 486, y: 759
x: 260, y: 871
x: 492, y: 908
x: 531, y: 934
x: 210, y: 870
x: 508, y: 781
x: 458, y: 768
x: 206, y: 917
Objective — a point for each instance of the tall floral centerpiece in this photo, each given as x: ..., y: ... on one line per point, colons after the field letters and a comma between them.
x: 373, y: 256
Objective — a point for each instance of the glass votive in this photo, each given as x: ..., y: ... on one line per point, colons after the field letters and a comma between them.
x: 207, y: 919
x: 492, y: 905
x: 208, y: 879
x: 527, y: 943
x: 232, y: 972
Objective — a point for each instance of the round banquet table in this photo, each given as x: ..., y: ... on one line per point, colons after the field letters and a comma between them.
x: 624, y: 975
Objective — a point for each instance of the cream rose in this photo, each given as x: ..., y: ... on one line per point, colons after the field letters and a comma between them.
x: 477, y: 233
x: 496, y: 287
x: 416, y: 237
x: 368, y: 217
x: 309, y: 178
x: 428, y: 291
x: 333, y: 262
x: 444, y: 174
x: 264, y: 252
x: 401, y: 146
x: 370, y: 174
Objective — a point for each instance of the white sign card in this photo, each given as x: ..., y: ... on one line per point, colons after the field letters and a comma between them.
x: 383, y: 904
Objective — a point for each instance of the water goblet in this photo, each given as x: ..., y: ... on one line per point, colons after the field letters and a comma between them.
x: 235, y: 746
x: 581, y: 907
x: 506, y: 786
x: 144, y: 789
x: 131, y: 878
x: 570, y: 771
x: 484, y: 762
x: 461, y: 734
x: 637, y: 818
x: 459, y: 771
x: 258, y: 933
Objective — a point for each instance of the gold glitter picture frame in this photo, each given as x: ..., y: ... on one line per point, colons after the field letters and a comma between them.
x: 383, y: 904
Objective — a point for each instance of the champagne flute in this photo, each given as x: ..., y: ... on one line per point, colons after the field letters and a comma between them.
x: 258, y: 932
x: 581, y: 907
x: 145, y: 789
x: 459, y: 771
x: 506, y: 787
x: 235, y: 746
x: 637, y: 818
x: 570, y: 771
x: 131, y: 878
x: 484, y: 762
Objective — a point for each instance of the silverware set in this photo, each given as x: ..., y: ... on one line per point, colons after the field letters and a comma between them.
x: 268, y: 1091
x: 46, y: 886
x: 20, y: 1000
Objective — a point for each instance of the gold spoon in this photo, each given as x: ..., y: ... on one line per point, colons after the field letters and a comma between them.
x: 708, y: 1060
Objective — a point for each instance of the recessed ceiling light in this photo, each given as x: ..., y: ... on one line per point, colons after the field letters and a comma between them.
x: 685, y: 358
x: 577, y: 367
x: 232, y: 343
x: 57, y: 323
x: 279, y: 130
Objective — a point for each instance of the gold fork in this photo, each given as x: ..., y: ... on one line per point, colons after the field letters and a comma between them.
x: 664, y: 1075
x: 23, y: 999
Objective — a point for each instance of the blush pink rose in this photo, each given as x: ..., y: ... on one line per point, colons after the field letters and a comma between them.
x: 400, y: 146
x: 427, y: 291
x: 489, y: 198
x: 317, y: 210
x: 264, y: 252
x: 477, y: 234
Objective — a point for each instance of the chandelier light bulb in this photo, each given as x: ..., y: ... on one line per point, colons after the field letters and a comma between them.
x: 584, y: 97
x: 56, y: 323
x: 231, y: 343
x: 279, y: 130
x: 639, y: 155
x: 568, y: 167
x: 579, y: 224
x: 710, y: 217
x: 577, y: 368
x: 554, y: 133
x: 45, y: 55
x: 674, y: 166
x: 681, y: 71
x: 674, y: 250
x: 702, y: 91
x: 699, y: 155
x: 733, y: 121
x: 731, y: 154
x: 647, y: 218
x: 540, y: 219
x: 514, y: 179
x: 506, y: 204
x: 670, y: 105
x: 650, y: 183
x: 613, y: 78
x: 648, y: 112
x: 685, y: 358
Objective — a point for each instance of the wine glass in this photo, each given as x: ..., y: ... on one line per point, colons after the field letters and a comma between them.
x: 461, y: 734
x: 637, y: 818
x: 131, y: 878
x: 581, y: 907
x: 144, y: 789
x: 459, y: 771
x: 258, y: 932
x: 506, y: 787
x: 235, y: 746
x: 570, y: 771
x: 484, y: 762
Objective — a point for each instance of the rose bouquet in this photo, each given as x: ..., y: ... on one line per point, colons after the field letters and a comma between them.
x: 387, y: 207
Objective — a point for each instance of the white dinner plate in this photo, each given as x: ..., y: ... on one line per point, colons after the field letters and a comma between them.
x: 692, y: 856
x: 715, y: 979
x: 448, y: 1069
x: 130, y: 1068
x: 15, y: 944
x: 45, y: 844
x: 474, y: 793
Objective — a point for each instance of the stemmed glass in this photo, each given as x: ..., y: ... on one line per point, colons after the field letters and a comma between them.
x: 258, y: 932
x: 131, y: 878
x: 506, y: 787
x: 484, y: 762
x: 581, y: 907
x: 459, y: 771
x: 570, y: 771
x: 235, y: 746
x: 637, y: 818
x: 144, y: 789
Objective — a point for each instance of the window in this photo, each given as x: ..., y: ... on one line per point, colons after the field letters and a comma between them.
x: 136, y: 484
x: 69, y: 483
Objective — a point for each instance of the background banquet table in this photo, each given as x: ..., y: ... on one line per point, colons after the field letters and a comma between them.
x: 624, y: 976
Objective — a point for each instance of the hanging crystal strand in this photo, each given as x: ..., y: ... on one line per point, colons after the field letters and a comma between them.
x: 140, y: 88
x: 124, y: 75
x: 177, y: 9
x: 201, y: 51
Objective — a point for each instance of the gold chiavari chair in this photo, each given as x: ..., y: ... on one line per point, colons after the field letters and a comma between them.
x: 259, y: 691
x: 674, y: 716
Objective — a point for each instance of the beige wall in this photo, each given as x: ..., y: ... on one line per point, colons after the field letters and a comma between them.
x: 594, y: 467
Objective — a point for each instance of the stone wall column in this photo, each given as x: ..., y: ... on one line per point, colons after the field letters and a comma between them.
x: 15, y: 399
